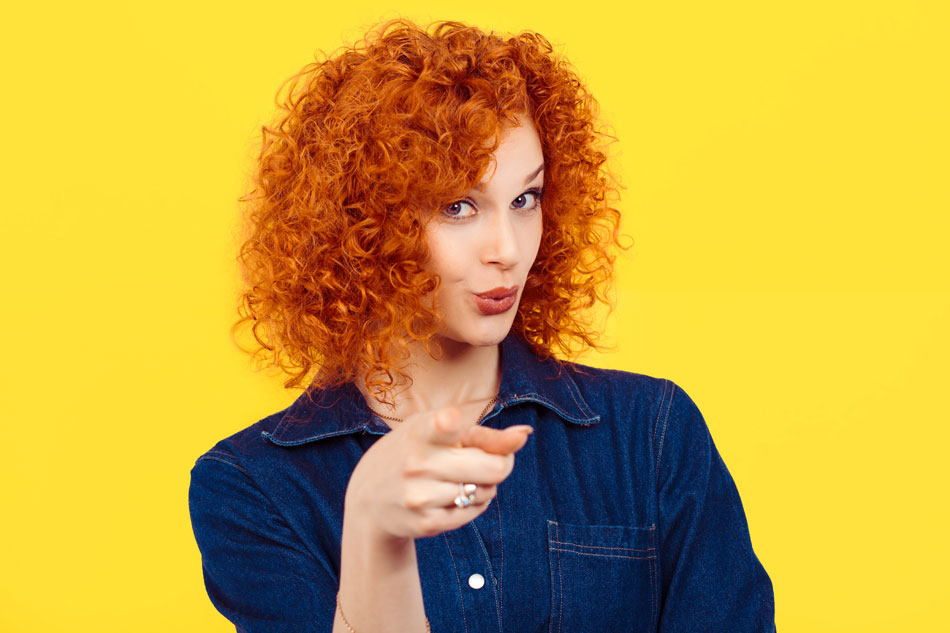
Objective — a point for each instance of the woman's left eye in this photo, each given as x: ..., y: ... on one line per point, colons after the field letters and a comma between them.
x: 528, y: 200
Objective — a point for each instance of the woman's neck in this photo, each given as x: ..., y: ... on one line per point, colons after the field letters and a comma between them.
x: 464, y: 375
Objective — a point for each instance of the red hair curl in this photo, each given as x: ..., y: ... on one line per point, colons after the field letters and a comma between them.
x: 367, y: 142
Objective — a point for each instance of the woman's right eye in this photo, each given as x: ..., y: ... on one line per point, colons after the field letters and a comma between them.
x: 457, y: 211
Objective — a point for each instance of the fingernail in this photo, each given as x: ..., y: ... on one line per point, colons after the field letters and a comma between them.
x: 522, y: 427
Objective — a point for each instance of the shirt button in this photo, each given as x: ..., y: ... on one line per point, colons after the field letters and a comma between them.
x: 476, y: 581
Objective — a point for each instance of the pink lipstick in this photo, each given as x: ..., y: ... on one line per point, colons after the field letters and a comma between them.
x: 496, y: 300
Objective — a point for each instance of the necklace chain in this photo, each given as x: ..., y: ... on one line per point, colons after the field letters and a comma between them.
x: 481, y: 415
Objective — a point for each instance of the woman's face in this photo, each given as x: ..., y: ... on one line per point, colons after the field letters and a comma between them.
x: 483, y: 245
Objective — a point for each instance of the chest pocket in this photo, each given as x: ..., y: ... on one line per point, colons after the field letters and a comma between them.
x: 602, y: 577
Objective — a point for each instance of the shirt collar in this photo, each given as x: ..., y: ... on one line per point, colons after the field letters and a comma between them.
x: 524, y: 378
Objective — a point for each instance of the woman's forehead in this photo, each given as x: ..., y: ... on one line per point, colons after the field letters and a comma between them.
x: 519, y: 155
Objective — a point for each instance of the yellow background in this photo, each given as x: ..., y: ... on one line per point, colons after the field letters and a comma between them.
x: 786, y: 167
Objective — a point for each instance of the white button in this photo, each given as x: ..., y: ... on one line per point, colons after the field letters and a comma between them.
x: 476, y: 581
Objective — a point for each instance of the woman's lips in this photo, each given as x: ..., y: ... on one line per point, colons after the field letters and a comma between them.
x: 496, y: 301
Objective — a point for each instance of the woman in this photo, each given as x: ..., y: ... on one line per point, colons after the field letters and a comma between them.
x: 431, y: 223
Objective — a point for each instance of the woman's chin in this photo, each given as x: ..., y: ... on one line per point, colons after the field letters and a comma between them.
x: 481, y: 334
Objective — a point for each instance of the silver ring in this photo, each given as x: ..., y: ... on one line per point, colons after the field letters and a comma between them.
x: 466, y: 495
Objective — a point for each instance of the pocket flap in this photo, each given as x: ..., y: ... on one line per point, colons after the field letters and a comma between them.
x: 613, y: 541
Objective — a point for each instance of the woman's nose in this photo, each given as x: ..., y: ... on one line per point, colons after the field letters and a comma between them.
x: 500, y: 243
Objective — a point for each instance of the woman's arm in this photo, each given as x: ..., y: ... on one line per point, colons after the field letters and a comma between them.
x: 380, y: 588
x: 710, y: 578
x: 257, y: 570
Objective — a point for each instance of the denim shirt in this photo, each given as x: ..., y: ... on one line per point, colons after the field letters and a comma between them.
x: 619, y: 515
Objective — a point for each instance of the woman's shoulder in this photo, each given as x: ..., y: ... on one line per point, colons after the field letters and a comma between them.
x: 584, y: 390
x: 234, y: 450
x: 637, y: 399
x: 308, y: 418
x: 612, y: 385
x: 284, y: 464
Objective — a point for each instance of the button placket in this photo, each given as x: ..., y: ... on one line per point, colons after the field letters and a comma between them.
x: 478, y: 591
x: 489, y: 526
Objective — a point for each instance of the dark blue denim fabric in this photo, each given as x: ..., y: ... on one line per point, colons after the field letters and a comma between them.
x: 619, y: 515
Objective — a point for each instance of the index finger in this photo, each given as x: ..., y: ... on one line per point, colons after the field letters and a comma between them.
x: 499, y: 442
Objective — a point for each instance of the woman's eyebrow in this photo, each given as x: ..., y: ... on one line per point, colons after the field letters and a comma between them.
x: 481, y: 186
x: 534, y: 174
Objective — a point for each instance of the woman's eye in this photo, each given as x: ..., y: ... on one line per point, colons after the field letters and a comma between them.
x: 457, y: 209
x: 528, y: 200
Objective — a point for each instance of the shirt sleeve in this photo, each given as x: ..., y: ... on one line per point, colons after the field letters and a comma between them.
x: 257, y: 571
x: 710, y: 578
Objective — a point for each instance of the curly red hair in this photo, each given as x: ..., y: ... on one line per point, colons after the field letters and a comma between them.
x: 370, y: 140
